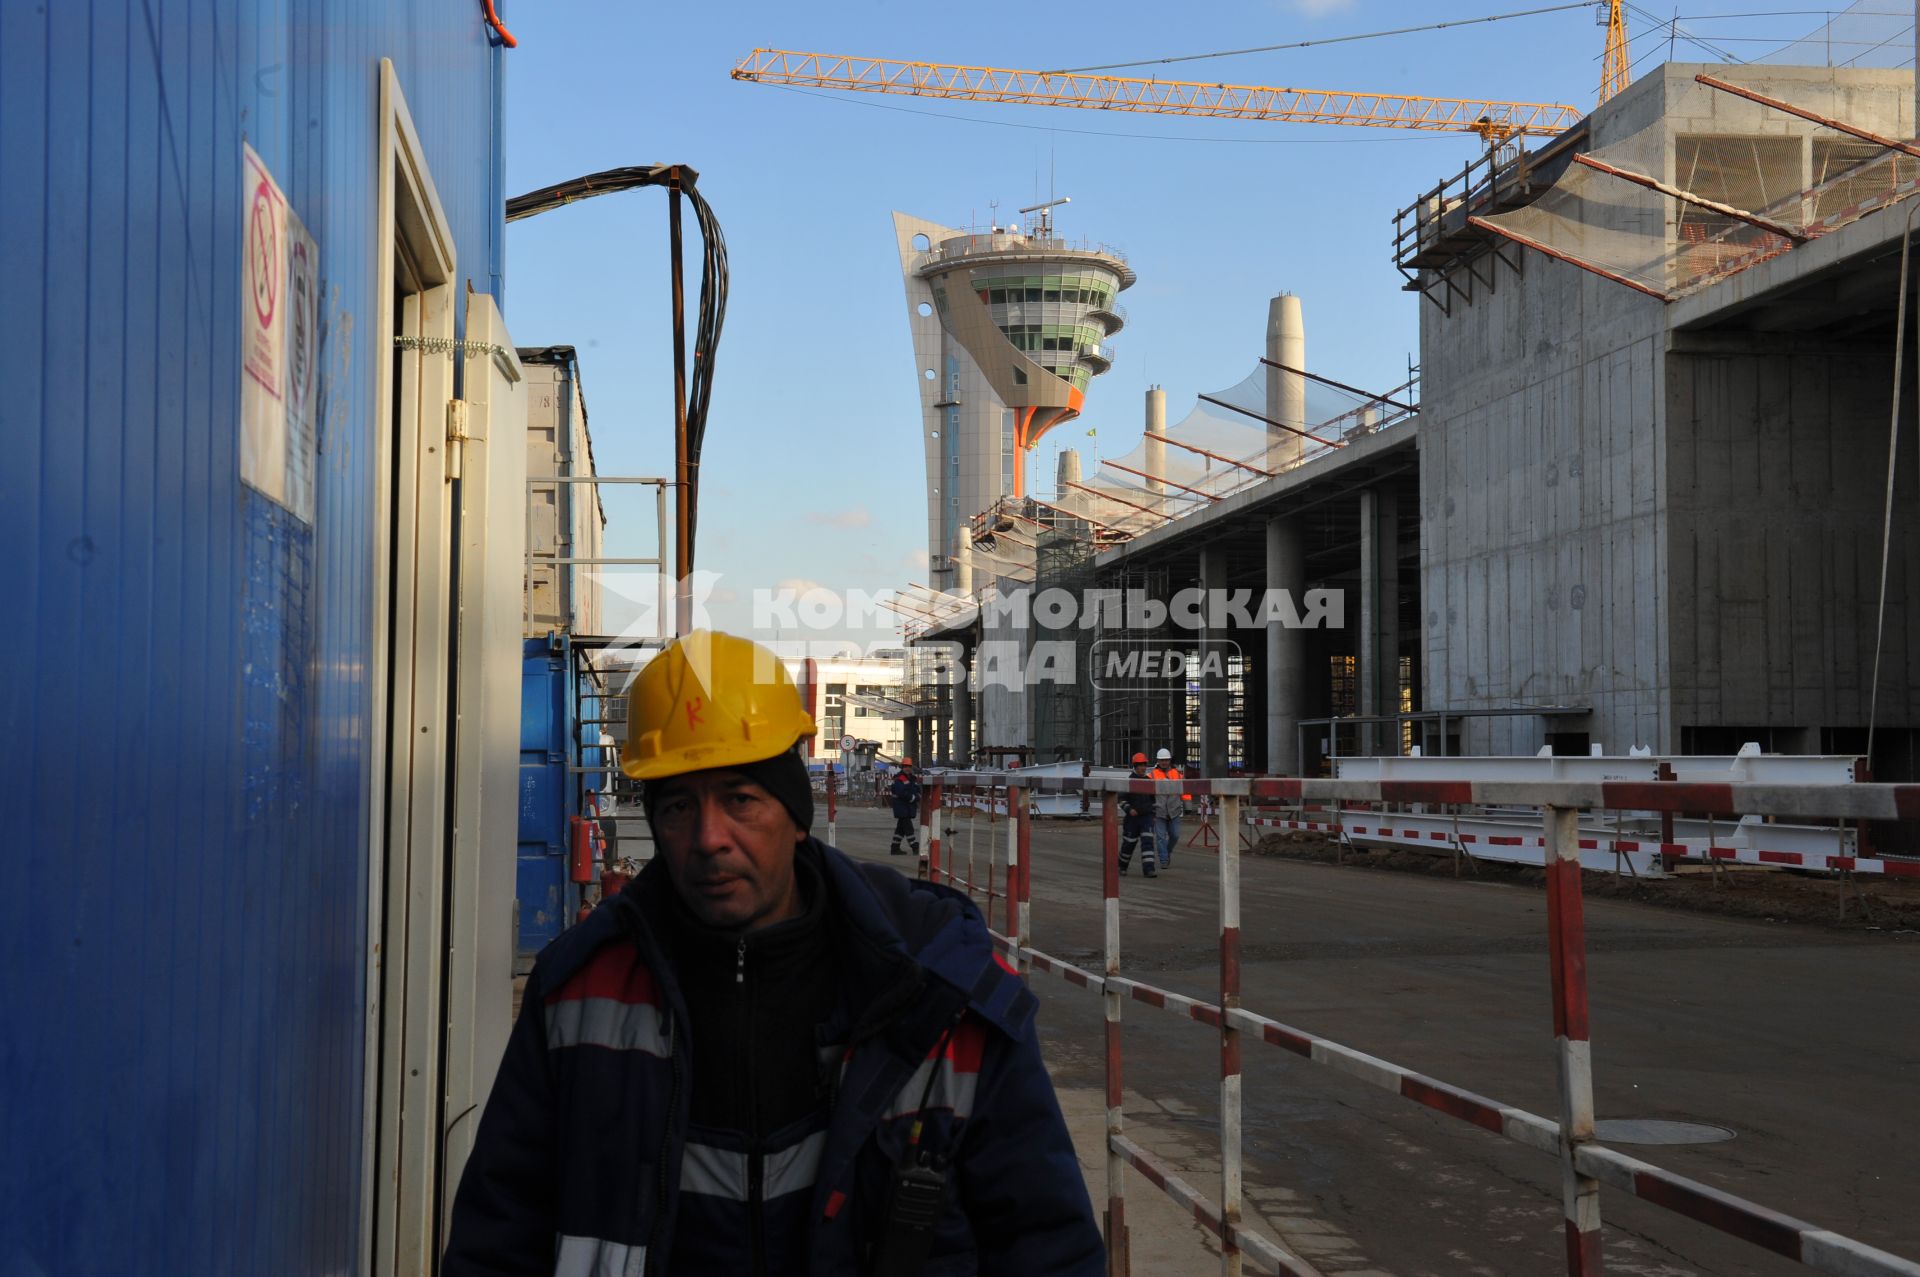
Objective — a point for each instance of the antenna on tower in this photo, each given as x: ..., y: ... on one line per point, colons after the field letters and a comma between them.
x: 1042, y: 223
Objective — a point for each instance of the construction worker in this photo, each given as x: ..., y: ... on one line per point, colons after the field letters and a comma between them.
x: 763, y: 1056
x: 1136, y: 822
x: 905, y: 793
x: 1168, y: 809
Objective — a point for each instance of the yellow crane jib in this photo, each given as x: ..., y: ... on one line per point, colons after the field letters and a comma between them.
x: 1490, y: 118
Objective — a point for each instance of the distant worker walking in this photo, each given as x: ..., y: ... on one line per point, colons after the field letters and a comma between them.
x: 905, y: 792
x: 763, y: 1056
x: 1136, y: 822
x: 1168, y: 809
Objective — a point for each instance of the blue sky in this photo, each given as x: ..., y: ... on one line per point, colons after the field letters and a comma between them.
x: 813, y: 469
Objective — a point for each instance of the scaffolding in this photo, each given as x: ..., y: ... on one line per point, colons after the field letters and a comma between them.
x: 1062, y: 711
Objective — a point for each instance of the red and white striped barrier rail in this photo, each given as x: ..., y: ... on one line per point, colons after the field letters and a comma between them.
x: 1489, y: 846
x: 1792, y: 860
x: 1856, y: 801
x: 1207, y: 1215
x: 1817, y: 1248
x: 1586, y: 1165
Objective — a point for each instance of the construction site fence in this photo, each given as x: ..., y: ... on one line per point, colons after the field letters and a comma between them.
x: 1610, y: 840
x: 1005, y: 882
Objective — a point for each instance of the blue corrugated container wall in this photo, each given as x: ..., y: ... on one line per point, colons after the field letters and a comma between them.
x: 186, y: 706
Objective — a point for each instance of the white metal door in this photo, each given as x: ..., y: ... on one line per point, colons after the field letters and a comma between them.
x: 491, y: 462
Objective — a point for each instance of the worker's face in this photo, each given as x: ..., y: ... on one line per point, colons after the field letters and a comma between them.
x: 729, y: 848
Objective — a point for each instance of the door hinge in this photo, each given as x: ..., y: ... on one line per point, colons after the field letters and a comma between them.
x: 457, y: 436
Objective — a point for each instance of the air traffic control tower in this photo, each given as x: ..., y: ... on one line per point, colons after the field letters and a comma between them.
x: 1008, y: 329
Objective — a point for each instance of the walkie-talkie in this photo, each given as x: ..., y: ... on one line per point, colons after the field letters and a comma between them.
x: 919, y: 1186
x: 913, y: 1208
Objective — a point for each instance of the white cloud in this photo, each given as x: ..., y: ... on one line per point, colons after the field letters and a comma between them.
x: 1320, y: 8
x: 917, y: 558
x: 799, y: 585
x: 852, y: 517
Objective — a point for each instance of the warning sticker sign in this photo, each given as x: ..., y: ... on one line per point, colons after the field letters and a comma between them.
x: 278, y: 343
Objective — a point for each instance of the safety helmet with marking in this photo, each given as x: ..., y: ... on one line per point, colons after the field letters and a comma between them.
x: 710, y: 700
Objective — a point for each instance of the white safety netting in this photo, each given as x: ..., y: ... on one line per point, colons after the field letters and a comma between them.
x: 1272, y: 421
x: 1800, y: 181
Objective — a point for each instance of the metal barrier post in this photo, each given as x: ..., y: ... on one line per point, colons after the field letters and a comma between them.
x: 1229, y: 1035
x: 1567, y: 952
x: 1016, y: 844
x: 993, y: 849
x: 1025, y: 888
x: 930, y: 854
x: 973, y: 823
x: 1118, y: 1261
x: 1026, y: 875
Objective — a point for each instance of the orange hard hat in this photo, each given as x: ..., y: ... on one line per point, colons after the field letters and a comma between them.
x: 906, y: 762
x: 1139, y: 758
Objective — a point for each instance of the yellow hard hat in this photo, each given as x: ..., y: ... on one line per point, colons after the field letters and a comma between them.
x: 710, y: 700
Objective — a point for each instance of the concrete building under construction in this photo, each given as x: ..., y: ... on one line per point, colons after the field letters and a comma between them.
x: 1642, y: 503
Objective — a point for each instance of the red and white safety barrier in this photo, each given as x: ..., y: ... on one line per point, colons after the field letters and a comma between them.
x: 1586, y: 1165
x: 1858, y: 801
x: 1381, y: 826
x: 1791, y: 859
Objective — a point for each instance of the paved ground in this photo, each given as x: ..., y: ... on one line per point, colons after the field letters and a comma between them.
x: 1806, y: 1043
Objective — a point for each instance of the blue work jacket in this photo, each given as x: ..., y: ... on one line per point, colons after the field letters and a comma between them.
x: 581, y: 1157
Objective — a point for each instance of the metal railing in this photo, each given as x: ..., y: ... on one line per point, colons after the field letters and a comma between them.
x: 539, y: 562
x: 1585, y: 1164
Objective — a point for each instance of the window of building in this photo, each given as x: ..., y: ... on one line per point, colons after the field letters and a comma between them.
x: 1019, y: 376
x: 1343, y: 685
x: 834, y: 713
x: 868, y: 689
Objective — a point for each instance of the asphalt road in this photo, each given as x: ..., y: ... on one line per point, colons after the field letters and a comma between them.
x: 1805, y: 1043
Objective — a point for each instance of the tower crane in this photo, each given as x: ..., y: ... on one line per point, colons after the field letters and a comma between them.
x: 1492, y: 119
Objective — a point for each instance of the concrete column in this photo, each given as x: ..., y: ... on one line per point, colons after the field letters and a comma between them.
x: 1286, y: 650
x: 1286, y: 392
x: 1176, y: 696
x: 1379, y: 672
x: 1213, y: 683
x: 963, y: 564
x: 942, y: 729
x: 1067, y: 470
x: 963, y: 712
x: 1154, y: 453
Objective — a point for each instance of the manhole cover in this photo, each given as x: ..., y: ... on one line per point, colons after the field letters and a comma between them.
x: 1648, y: 1130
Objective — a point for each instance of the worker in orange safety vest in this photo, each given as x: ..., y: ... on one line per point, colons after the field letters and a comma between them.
x: 1167, y: 812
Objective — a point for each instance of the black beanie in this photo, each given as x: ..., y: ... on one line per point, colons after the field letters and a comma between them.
x: 784, y: 776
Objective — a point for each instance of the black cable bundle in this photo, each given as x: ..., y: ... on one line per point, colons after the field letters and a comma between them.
x: 713, y: 288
